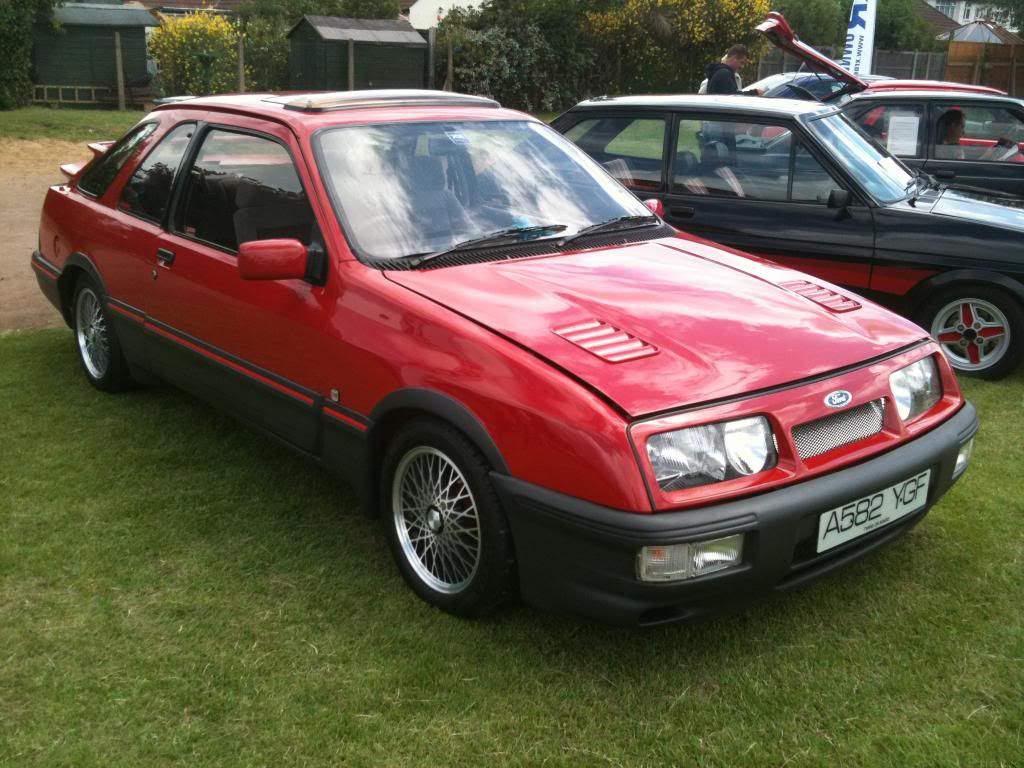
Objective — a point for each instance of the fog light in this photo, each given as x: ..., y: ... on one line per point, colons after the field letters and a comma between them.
x: 716, y: 555
x: 676, y: 562
x: 963, y: 458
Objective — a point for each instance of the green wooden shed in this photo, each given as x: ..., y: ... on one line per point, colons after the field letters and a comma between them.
x: 329, y: 53
x: 74, y: 57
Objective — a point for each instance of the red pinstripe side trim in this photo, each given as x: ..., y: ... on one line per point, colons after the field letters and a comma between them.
x: 233, y: 366
x: 43, y: 270
x: 345, y: 419
x: 136, y: 316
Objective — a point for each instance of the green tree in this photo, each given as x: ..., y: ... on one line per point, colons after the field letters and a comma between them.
x: 17, y: 18
x: 818, y: 22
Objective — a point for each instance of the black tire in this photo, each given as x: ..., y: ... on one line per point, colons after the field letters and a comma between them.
x: 471, y: 577
x: 93, y: 331
x: 990, y: 308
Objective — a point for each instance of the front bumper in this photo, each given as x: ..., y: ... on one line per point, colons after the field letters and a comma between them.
x: 581, y: 558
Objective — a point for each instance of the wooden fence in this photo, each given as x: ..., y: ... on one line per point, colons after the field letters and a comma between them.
x: 997, y: 66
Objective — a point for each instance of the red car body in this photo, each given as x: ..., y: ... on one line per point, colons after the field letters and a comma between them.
x: 503, y: 352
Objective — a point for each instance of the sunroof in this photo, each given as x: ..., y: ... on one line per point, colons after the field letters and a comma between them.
x: 329, y: 102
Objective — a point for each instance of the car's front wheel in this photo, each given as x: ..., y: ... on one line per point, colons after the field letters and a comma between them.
x: 96, y: 341
x: 980, y: 328
x: 444, y: 522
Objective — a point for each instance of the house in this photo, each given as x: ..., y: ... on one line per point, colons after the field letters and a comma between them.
x: 334, y: 53
x: 967, y: 11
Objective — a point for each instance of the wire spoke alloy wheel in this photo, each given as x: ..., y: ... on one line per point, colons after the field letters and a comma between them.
x: 91, y: 333
x: 974, y: 333
x: 436, y: 519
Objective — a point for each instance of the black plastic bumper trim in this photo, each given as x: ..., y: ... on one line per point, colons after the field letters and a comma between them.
x: 580, y: 557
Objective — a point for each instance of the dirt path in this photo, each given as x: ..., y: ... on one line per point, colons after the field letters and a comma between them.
x: 27, y: 168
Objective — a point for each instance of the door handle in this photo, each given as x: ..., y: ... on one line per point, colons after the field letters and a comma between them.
x: 682, y: 211
x: 944, y: 174
x: 164, y: 257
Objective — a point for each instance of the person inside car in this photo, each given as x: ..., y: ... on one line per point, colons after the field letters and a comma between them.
x: 949, y: 129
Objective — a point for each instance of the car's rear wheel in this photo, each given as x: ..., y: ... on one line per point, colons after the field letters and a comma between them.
x: 96, y: 341
x: 444, y: 522
x: 980, y: 328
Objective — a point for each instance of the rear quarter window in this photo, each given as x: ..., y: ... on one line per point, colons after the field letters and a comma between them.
x: 98, y: 177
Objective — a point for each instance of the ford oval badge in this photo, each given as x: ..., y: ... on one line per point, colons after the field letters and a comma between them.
x: 838, y: 399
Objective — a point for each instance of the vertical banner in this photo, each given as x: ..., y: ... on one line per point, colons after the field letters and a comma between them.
x: 860, y: 37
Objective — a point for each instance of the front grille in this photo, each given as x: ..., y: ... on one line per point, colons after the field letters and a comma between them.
x: 823, y: 435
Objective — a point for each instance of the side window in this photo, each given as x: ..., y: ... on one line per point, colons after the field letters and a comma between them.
x: 900, y: 128
x: 101, y: 174
x: 732, y: 159
x: 979, y: 133
x: 243, y: 188
x: 147, y: 192
x: 631, y: 149
x: 811, y: 182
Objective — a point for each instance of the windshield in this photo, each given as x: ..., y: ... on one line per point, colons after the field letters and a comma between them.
x: 882, y: 176
x: 413, y: 188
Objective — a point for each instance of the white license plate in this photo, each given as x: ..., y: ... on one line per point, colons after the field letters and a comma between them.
x: 839, y: 525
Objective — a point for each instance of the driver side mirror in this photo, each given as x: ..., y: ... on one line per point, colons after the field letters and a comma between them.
x: 279, y: 259
x: 839, y: 198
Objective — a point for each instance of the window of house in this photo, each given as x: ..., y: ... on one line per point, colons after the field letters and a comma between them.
x: 148, y: 191
x: 101, y: 174
x: 241, y: 188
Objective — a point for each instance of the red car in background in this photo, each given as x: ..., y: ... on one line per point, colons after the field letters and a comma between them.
x: 957, y: 132
x: 539, y: 386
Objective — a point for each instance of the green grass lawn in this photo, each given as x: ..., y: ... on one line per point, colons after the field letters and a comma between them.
x: 175, y: 589
x: 66, y: 123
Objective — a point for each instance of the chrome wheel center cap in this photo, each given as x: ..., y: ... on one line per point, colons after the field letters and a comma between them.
x: 434, y: 520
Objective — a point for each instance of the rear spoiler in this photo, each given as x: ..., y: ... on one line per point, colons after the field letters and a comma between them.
x: 98, y: 149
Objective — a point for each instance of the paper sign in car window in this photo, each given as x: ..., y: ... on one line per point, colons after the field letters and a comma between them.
x: 902, y: 138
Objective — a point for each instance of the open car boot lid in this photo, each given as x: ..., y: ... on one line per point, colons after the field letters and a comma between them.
x: 777, y: 29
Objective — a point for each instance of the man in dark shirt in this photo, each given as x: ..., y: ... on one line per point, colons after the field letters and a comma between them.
x: 723, y: 77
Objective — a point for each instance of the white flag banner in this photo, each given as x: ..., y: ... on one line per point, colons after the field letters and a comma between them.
x: 860, y: 37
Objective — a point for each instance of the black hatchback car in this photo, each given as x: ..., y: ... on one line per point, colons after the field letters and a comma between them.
x: 798, y: 183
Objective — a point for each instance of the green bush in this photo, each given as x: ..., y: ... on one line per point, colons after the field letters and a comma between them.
x: 196, y: 54
x: 16, y: 20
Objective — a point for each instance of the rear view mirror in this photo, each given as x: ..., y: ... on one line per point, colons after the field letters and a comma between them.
x: 656, y: 207
x: 839, y: 198
x: 282, y: 259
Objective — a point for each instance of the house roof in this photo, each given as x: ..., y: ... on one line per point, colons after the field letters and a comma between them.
x: 983, y: 32
x: 224, y: 6
x: 936, y: 20
x: 390, y: 31
x: 98, y: 15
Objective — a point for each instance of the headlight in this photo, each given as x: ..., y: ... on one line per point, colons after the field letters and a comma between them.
x: 915, y: 388
x: 712, y: 453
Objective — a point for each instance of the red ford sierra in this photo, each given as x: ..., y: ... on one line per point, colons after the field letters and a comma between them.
x: 538, y: 386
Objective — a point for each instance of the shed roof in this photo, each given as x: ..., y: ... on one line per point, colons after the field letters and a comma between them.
x: 99, y: 15
x: 982, y: 32
x: 390, y: 31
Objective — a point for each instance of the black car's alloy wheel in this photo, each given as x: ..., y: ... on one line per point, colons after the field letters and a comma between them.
x: 980, y: 329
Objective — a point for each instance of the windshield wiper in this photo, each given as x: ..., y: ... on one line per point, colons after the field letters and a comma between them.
x: 619, y: 222
x: 510, y: 233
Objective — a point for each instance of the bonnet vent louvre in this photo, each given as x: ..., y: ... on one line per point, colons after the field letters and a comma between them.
x: 606, y: 341
x: 824, y: 297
